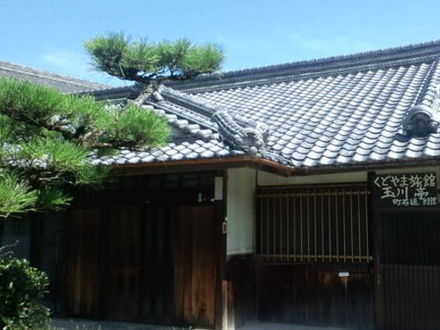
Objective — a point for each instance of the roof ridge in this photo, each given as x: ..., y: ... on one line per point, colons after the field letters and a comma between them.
x: 199, y: 104
x: 113, y: 92
x: 408, y: 53
x: 428, y: 94
x: 49, y: 75
x: 381, y: 51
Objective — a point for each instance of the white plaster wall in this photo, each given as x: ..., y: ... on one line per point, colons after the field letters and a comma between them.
x: 240, y: 211
x: 270, y: 179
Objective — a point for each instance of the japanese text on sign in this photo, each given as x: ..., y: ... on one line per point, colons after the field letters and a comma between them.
x: 401, y: 190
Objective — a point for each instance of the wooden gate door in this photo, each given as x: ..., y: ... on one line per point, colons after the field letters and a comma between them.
x: 102, y: 262
x: 157, y: 262
x: 84, y: 263
x: 408, y: 270
x: 123, y: 264
x: 195, y: 270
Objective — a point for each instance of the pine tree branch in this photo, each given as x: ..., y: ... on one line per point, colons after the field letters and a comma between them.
x: 149, y: 90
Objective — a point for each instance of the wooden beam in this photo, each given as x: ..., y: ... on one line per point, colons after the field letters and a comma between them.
x: 261, y: 164
x: 201, y: 165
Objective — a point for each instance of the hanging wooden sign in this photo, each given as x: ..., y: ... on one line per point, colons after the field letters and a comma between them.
x: 405, y: 190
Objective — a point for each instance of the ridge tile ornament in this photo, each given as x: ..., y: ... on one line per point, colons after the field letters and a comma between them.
x: 405, y: 190
x: 241, y: 133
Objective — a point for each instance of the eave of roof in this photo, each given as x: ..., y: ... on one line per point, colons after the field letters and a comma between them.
x: 261, y: 164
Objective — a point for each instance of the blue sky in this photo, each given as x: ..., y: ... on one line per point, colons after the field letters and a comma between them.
x: 49, y: 34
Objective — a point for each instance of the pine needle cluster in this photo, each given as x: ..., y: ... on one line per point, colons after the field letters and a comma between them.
x: 143, y: 61
x: 47, y: 138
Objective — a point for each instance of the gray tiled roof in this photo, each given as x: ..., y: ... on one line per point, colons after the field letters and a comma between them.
x: 186, y: 150
x: 331, y: 112
x: 63, y: 83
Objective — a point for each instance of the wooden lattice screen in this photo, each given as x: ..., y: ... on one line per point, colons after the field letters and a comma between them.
x: 328, y: 223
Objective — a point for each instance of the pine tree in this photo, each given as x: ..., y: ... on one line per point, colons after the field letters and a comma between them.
x: 150, y: 64
x: 47, y: 138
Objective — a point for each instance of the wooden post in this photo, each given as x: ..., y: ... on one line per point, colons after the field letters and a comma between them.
x: 228, y: 312
x: 221, y: 301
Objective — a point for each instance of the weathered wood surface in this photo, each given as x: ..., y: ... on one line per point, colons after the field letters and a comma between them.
x: 241, y: 281
x: 408, y: 270
x: 195, y: 271
x: 318, y: 297
x: 154, y: 263
x: 85, y: 263
x: 122, y: 262
x: 157, y: 260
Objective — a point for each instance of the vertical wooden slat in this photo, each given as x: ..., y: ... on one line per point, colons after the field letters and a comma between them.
x: 267, y: 225
x: 280, y: 220
x: 301, y: 224
x: 337, y: 226
x: 274, y: 243
x: 344, y: 240
x: 308, y: 223
x: 315, y: 229
x: 288, y: 226
x: 359, y: 238
x: 294, y: 227
x: 322, y: 226
x: 367, y: 226
x: 329, y: 224
x: 261, y: 224
x: 351, y: 227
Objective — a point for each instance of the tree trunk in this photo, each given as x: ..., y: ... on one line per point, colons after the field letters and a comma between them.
x: 149, y: 90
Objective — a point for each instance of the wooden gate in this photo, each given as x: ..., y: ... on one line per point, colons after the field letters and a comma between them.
x: 122, y: 252
x: 102, y: 262
x: 195, y: 271
x: 151, y: 263
x: 408, y: 270
x: 84, y: 263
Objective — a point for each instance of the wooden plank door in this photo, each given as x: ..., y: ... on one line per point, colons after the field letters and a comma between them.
x: 102, y: 262
x: 195, y: 270
x: 123, y: 264
x: 408, y: 270
x: 84, y: 263
x: 157, y: 262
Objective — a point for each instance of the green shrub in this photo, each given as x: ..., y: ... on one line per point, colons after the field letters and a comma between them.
x: 22, y: 288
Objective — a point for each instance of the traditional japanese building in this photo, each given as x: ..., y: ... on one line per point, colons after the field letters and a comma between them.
x: 303, y: 193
